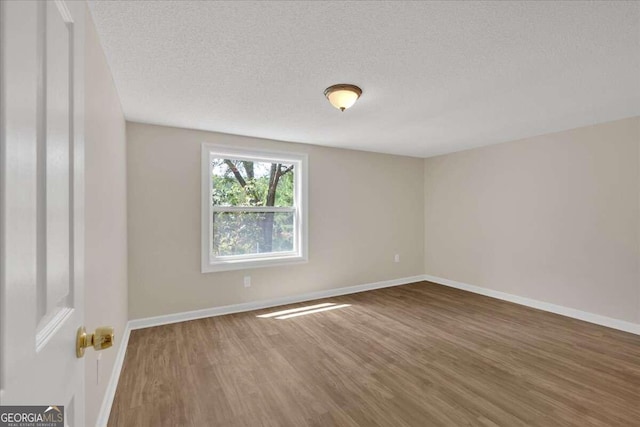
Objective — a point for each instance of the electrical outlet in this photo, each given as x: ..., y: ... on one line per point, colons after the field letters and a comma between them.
x: 396, y: 258
x: 247, y: 281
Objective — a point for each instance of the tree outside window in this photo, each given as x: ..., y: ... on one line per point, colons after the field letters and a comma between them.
x: 253, y: 211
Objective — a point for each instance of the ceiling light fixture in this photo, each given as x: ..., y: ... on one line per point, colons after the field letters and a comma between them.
x: 342, y: 96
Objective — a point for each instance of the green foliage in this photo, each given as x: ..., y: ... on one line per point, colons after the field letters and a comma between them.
x: 245, y: 183
x: 227, y: 190
x: 239, y: 233
x: 284, y: 193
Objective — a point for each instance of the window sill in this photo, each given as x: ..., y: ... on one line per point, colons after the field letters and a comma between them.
x: 230, y: 265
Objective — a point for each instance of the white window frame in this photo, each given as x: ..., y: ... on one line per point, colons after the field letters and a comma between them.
x: 211, y: 263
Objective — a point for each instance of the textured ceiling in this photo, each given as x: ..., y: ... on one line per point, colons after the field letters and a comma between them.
x: 437, y: 77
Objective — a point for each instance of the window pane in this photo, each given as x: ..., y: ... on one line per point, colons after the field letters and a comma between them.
x: 240, y: 233
x: 248, y: 183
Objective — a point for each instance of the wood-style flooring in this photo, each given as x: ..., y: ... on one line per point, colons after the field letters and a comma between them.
x: 414, y: 355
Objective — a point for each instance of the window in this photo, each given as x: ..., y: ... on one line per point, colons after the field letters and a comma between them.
x: 254, y: 208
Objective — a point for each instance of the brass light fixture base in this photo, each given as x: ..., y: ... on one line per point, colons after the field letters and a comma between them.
x: 343, y: 86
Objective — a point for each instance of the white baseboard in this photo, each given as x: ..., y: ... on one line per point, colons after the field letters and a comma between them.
x: 258, y: 305
x: 609, y: 322
x: 110, y: 392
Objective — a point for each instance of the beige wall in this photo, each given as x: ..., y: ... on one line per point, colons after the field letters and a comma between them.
x: 364, y: 208
x: 106, y: 217
x: 554, y: 218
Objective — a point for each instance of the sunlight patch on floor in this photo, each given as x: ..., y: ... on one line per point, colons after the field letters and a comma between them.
x: 301, y: 311
x: 317, y: 310
x: 295, y: 310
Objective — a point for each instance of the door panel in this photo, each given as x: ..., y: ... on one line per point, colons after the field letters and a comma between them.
x: 41, y: 210
x: 54, y: 191
x: 58, y: 149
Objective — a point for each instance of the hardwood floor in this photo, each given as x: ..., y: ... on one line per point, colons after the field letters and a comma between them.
x: 414, y: 355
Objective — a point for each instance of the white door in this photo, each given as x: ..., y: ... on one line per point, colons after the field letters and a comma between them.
x: 41, y: 204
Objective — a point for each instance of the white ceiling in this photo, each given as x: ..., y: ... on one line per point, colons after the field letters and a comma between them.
x: 437, y: 77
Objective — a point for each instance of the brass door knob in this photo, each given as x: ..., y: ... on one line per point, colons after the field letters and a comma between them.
x: 102, y: 338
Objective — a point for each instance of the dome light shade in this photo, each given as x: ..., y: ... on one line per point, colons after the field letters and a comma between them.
x: 342, y: 96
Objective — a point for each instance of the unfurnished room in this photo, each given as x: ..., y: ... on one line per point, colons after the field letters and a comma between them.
x: 319, y: 213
